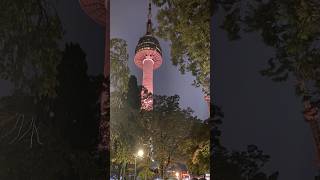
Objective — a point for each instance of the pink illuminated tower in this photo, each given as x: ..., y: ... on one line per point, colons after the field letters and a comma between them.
x: 148, y: 57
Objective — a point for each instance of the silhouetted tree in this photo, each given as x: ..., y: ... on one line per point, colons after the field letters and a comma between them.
x: 173, y: 133
x: 29, y: 49
x: 60, y: 141
x: 119, y: 72
x: 76, y: 107
x: 134, y: 91
x: 125, y: 129
x: 76, y: 111
x: 125, y: 106
x: 292, y: 29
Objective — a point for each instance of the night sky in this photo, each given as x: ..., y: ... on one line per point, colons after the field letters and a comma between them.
x: 257, y: 110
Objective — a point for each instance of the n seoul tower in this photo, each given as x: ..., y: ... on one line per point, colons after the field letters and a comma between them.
x: 148, y: 57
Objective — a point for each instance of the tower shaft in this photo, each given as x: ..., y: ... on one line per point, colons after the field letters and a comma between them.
x: 147, y: 82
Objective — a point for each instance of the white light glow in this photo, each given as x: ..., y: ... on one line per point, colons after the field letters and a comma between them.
x: 140, y: 153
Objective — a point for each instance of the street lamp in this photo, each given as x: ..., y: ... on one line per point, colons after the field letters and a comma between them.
x: 140, y: 155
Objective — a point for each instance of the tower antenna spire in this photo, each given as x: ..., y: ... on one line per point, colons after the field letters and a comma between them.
x: 149, y: 23
x: 149, y: 13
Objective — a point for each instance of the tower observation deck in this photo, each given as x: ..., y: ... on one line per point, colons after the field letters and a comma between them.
x: 148, y: 57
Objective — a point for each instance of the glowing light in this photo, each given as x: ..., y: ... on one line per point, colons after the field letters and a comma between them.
x: 140, y: 153
x: 177, y: 174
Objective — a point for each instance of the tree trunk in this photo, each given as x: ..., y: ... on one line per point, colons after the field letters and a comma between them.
x: 124, y: 169
x: 119, y: 171
x: 161, y: 171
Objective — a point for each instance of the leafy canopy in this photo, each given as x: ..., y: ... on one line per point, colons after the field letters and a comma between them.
x: 29, y: 53
x: 187, y: 25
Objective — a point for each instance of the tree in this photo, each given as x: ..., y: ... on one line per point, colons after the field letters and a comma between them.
x: 197, y: 148
x: 75, y: 115
x: 160, y: 131
x: 60, y: 141
x: 292, y: 29
x: 124, y: 105
x: 29, y: 35
x: 119, y: 75
x: 187, y: 25
x: 155, y: 132
x: 200, y: 163
x: 75, y: 109
x: 242, y: 165
x: 134, y: 93
x: 125, y: 133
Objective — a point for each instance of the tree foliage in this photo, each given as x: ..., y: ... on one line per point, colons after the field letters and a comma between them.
x: 155, y: 132
x: 242, y: 165
x: 75, y: 109
x: 57, y: 139
x: 119, y: 74
x: 171, y: 130
x: 124, y: 105
x: 29, y: 53
x: 187, y: 25
x: 119, y: 65
x: 290, y: 27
